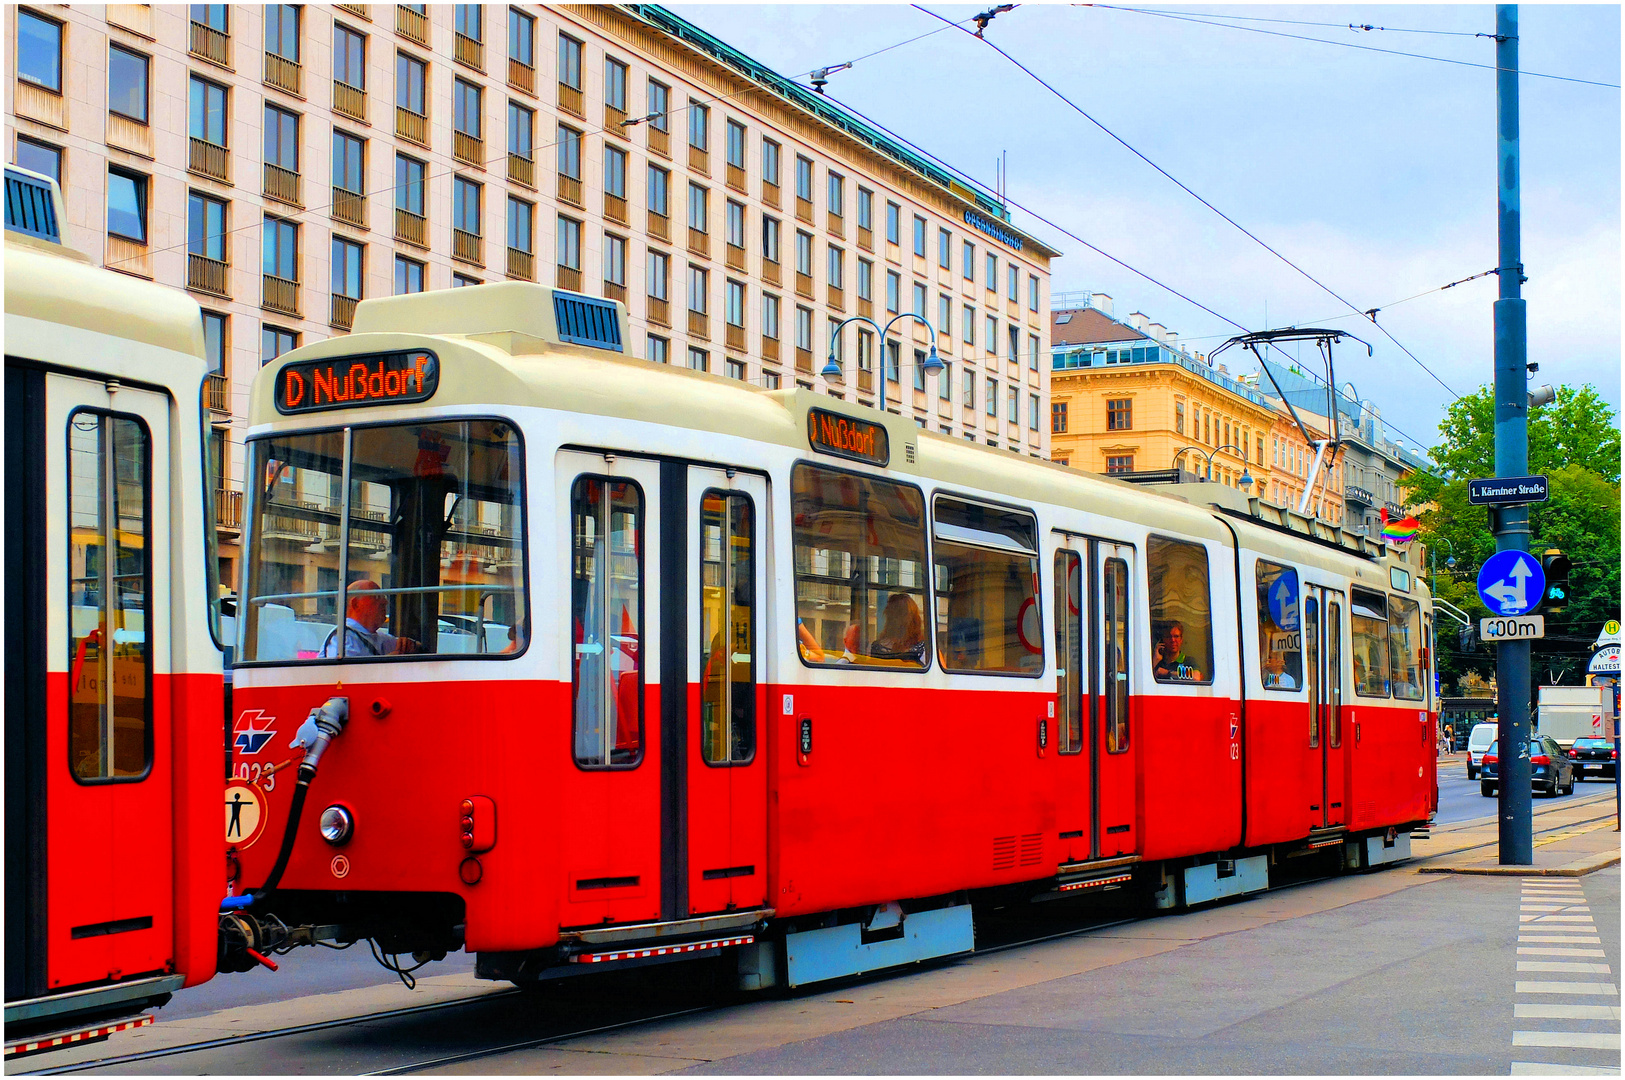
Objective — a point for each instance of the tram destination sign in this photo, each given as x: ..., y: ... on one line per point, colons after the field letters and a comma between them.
x: 859, y: 440
x: 1506, y: 490
x: 344, y: 382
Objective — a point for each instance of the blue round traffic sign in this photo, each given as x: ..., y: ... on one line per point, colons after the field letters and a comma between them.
x: 1283, y: 600
x: 1511, y: 582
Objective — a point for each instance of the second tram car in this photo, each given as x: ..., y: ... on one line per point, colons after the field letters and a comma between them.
x: 574, y: 660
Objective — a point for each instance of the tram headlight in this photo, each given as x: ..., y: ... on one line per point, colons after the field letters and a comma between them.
x: 337, y: 825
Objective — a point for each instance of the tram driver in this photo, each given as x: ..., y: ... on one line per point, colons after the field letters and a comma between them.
x: 364, y: 635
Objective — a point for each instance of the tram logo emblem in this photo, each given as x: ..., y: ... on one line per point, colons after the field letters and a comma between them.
x: 252, y: 731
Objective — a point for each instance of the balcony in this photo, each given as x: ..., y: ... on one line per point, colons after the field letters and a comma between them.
x: 660, y: 226
x: 209, y: 44
x: 280, y: 294
x: 770, y: 194
x: 736, y: 176
x: 467, y: 247
x: 699, y: 243
x: 866, y: 308
x: 468, y: 52
x: 208, y: 159
x: 350, y: 101
x: 615, y: 209
x: 699, y: 325
x: 469, y: 149
x: 866, y: 238
x: 343, y: 311
x: 804, y: 284
x: 615, y: 121
x: 804, y: 360
x: 836, y: 224
x: 228, y: 509
x: 412, y: 25
x: 360, y: 11
x: 349, y: 207
x: 771, y: 273
x: 735, y: 256
x: 612, y: 291
x: 521, y: 76
x: 837, y: 298
x: 411, y: 228
x: 284, y: 74
x: 572, y: 101
x: 521, y: 264
x: 699, y: 160
x: 659, y: 141
x: 866, y: 381
x: 283, y: 185
x: 217, y: 393
x: 569, y: 189
x: 770, y: 348
x: 522, y: 169
x: 660, y: 311
x: 568, y: 277
x: 735, y: 337
x: 207, y: 275
x: 411, y: 126
x: 804, y: 209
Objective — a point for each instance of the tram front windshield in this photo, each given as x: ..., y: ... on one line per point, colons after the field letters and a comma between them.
x: 428, y: 540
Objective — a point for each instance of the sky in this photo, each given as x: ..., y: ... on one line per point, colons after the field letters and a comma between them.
x: 1374, y: 173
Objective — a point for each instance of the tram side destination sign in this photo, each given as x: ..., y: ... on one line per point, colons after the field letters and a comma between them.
x: 844, y: 436
x: 1507, y: 491
x: 345, y: 382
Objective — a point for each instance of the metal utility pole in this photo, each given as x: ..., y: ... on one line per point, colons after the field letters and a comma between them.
x: 1511, y: 523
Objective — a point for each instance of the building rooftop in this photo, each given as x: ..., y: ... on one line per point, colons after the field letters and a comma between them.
x: 1089, y: 326
x: 1081, y: 336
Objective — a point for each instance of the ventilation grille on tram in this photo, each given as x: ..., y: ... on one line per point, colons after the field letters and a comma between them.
x: 30, y: 208
x: 587, y: 320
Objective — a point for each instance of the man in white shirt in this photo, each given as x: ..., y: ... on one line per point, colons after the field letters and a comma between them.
x: 363, y: 626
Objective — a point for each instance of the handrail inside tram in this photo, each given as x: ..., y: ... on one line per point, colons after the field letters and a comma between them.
x: 402, y: 590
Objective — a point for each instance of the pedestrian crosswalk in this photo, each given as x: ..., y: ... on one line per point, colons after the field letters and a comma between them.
x: 1558, y: 942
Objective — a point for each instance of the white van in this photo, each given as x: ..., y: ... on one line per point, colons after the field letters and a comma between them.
x: 1478, y: 742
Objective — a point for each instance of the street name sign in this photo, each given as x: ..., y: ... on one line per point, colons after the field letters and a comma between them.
x: 1506, y: 490
x: 1511, y: 582
x: 1513, y: 628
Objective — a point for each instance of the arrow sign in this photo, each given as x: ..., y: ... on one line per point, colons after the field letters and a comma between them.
x: 1511, y: 582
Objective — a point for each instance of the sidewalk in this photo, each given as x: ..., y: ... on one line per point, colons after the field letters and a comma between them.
x: 1571, y: 840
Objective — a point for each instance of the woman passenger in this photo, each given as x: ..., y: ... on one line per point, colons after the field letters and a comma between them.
x: 902, y: 631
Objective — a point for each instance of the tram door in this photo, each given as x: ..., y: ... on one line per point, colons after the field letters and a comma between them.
x: 1323, y: 664
x: 1112, y: 636
x: 607, y: 550
x: 1075, y: 723
x: 107, y: 779
x: 726, y: 770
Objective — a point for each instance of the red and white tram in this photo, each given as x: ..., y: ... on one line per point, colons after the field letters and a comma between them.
x: 114, y: 744
x: 604, y: 662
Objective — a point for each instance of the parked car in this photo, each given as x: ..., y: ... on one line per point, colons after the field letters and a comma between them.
x: 1550, y: 769
x: 1594, y: 757
x: 1478, y: 742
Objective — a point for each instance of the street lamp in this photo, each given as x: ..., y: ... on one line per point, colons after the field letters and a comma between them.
x: 933, y: 362
x: 1433, y: 557
x: 1246, y: 478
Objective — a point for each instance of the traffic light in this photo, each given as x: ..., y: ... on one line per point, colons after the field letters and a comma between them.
x: 1556, y: 566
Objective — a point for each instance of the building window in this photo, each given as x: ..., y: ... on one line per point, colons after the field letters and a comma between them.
x: 206, y: 116
x: 411, y: 82
x: 770, y: 239
x: 1119, y: 463
x: 894, y: 353
x: 894, y: 218
x: 349, y: 155
x: 697, y: 208
x: 837, y: 268
x: 804, y: 329
x: 659, y: 191
x: 408, y: 276
x: 274, y: 341
x: 214, y: 341
x: 614, y: 84
x: 1014, y: 281
x: 919, y: 236
x: 347, y: 268
x: 465, y: 206
x: 733, y: 308
x: 1014, y: 414
x: 521, y: 38
x: 804, y: 178
x: 894, y: 288
x: 39, y: 157
x: 127, y: 84
x: 521, y: 225
x: 569, y: 246
x: 467, y: 109
x: 349, y: 57
x: 969, y: 259
x: 569, y: 152
x: 866, y: 209
x: 522, y: 131
x: 699, y: 126
x: 410, y: 175
x: 39, y: 51
x: 127, y: 205
x: 1015, y: 343
x: 615, y: 172
x: 281, y: 138
x: 659, y: 275
x: 1057, y: 417
x: 569, y: 62
x: 698, y: 359
x: 1179, y: 418
x: 945, y: 388
x: 837, y: 195
x: 469, y: 21
x: 615, y: 260
x: 1032, y: 411
x: 699, y: 288
x: 803, y: 253
x: 657, y: 350
x: 866, y: 280
x: 736, y: 144
x: 770, y: 162
x: 770, y: 316
x: 992, y: 400
x: 206, y: 227
x: 1032, y: 352
x: 281, y: 249
x: 992, y: 272
x: 659, y: 106
x: 945, y: 249
x: 945, y: 315
x: 771, y: 380
x: 463, y: 281
x: 282, y: 30
x: 736, y: 369
x: 992, y: 336
x: 1032, y: 292
x: 968, y: 388
x: 1119, y: 414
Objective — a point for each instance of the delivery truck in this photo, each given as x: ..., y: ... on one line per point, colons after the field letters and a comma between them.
x: 1567, y: 713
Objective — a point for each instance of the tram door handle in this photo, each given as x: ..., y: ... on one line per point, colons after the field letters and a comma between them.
x: 1356, y: 733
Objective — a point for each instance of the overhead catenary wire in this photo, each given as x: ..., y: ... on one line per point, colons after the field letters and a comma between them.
x: 1209, y: 20
x: 1302, y: 22
x: 1187, y: 189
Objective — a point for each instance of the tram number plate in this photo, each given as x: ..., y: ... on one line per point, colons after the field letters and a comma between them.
x: 1513, y: 628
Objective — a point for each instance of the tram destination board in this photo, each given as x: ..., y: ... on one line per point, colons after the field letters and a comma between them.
x: 1506, y: 490
x: 843, y: 436
x: 344, y: 382
x: 1512, y: 628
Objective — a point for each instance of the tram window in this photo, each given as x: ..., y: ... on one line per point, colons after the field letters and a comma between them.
x: 606, y: 617
x: 1181, y: 618
x: 109, y: 580
x: 1280, y: 632
x: 988, y: 618
x: 1405, y: 648
x: 1368, y: 613
x: 727, y: 629
x: 1069, y: 687
x: 435, y: 536
x: 860, y: 569
x: 1115, y: 666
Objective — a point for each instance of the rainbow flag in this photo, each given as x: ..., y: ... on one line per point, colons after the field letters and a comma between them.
x: 1402, y: 531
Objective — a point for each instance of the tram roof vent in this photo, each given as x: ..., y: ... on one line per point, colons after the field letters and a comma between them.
x: 520, y: 308
x: 31, y: 205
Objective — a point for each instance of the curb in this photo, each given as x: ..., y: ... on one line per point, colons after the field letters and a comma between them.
x: 1578, y: 868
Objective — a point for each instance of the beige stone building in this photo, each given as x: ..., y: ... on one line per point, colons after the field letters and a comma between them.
x: 283, y: 162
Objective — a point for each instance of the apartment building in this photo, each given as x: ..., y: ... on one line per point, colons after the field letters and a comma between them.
x: 284, y: 162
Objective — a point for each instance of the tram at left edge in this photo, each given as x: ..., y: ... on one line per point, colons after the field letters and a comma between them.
x: 114, y: 688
